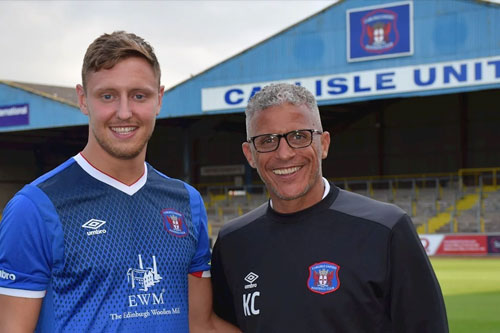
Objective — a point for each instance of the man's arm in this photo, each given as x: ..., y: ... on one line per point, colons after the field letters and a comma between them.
x: 417, y: 304
x: 19, y: 314
x: 201, y: 316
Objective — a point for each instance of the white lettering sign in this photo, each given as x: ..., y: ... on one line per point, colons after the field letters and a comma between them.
x: 14, y: 111
x: 444, y: 75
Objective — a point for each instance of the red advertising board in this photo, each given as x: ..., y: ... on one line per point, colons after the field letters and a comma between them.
x: 474, y: 244
x: 463, y: 244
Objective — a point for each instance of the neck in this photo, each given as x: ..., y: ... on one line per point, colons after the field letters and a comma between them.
x: 127, y: 171
x: 312, y: 197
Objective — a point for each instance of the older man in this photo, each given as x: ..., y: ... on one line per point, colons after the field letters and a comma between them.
x: 316, y: 258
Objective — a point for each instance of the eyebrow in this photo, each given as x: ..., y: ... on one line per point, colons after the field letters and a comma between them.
x: 112, y: 89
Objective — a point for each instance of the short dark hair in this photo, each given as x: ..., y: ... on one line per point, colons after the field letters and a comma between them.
x: 109, y: 49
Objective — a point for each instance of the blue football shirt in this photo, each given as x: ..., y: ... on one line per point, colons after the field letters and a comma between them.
x: 105, y: 256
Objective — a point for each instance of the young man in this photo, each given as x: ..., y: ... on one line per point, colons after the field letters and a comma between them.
x: 104, y: 242
x: 316, y: 258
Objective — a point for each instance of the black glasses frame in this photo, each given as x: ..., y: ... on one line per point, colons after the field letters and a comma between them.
x: 284, y: 135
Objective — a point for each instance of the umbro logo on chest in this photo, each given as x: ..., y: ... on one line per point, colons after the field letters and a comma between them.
x: 95, y: 227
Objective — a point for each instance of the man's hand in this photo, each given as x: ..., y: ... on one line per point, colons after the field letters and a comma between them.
x: 202, y: 319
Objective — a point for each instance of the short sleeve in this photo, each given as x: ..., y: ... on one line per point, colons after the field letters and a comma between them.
x: 26, y: 249
x: 201, y: 258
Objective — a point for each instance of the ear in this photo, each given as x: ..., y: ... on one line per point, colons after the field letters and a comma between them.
x: 325, y: 144
x: 161, y: 92
x: 247, y: 151
x: 82, y: 99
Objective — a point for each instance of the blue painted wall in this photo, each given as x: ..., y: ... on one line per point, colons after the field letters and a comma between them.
x: 44, y: 112
x: 444, y: 30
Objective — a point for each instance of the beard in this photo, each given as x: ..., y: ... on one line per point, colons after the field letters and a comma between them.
x: 285, y: 197
x: 123, y: 153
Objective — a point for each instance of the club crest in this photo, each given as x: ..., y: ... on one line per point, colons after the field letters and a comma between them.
x: 174, y: 223
x: 323, y: 277
x: 380, y: 31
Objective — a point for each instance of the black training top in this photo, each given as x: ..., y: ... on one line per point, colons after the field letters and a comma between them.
x: 346, y: 264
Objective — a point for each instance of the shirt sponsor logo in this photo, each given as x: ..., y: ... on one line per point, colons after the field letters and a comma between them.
x: 323, y: 277
x: 173, y: 222
x: 143, y: 278
x: 94, y: 224
x: 7, y: 276
x: 250, y: 278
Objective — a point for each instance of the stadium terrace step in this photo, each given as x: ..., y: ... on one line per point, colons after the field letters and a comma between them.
x: 433, y: 209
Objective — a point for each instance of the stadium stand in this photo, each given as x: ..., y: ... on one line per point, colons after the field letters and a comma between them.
x: 464, y: 202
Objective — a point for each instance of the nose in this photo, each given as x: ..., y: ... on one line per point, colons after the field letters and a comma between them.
x: 284, y: 150
x: 124, y: 111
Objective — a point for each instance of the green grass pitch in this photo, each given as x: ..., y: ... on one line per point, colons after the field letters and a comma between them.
x: 471, y: 289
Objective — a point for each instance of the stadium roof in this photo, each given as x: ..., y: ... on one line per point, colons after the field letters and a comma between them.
x: 458, y: 40
x: 28, y: 106
x: 61, y: 94
x: 317, y: 52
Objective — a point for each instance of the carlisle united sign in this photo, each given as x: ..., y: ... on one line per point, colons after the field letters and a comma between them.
x: 376, y: 82
x: 382, y: 31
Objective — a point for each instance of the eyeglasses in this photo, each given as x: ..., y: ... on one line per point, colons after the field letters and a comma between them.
x: 266, y: 143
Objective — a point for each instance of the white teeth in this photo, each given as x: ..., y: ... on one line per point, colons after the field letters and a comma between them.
x: 122, y: 130
x: 286, y: 171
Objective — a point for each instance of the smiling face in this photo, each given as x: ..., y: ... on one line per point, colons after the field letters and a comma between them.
x: 292, y: 176
x: 122, y: 104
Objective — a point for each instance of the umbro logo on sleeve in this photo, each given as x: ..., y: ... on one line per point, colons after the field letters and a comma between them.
x: 7, y: 276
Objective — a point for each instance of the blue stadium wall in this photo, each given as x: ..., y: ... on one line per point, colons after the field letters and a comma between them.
x: 22, y: 109
x: 432, y: 108
x: 446, y: 33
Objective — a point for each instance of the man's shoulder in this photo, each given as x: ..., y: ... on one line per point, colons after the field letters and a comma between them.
x: 243, y: 220
x: 54, y: 173
x: 366, y: 208
x: 35, y: 190
x: 154, y: 174
x: 33, y: 203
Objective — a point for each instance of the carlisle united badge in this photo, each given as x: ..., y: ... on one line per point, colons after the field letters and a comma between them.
x: 380, y: 31
x: 174, y: 223
x: 323, y: 277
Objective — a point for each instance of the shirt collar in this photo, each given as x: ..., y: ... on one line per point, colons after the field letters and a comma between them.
x: 325, y: 193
